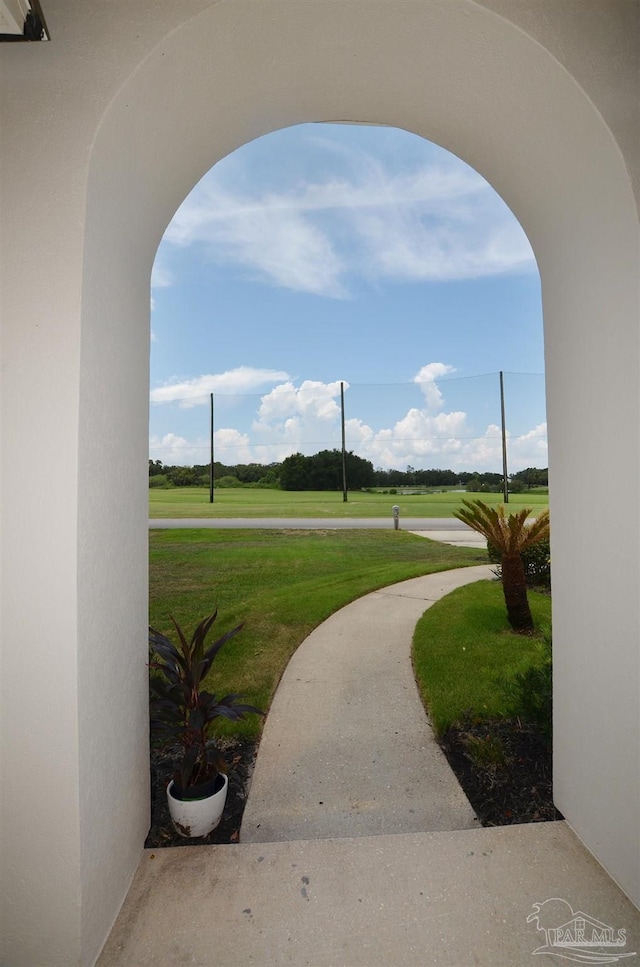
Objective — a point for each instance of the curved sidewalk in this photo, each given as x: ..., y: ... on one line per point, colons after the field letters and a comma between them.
x: 347, y: 750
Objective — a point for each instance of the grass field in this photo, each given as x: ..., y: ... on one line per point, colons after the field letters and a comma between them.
x: 282, y: 584
x: 247, y: 502
x: 463, y: 647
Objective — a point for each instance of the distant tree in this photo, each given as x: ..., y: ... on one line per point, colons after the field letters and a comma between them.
x: 380, y: 477
x: 323, y: 471
x: 159, y: 481
x: 509, y: 536
x: 359, y: 472
x: 486, y: 482
x: 532, y: 477
x: 270, y: 476
x: 397, y: 478
x: 436, y: 478
x: 182, y: 476
x: 294, y: 473
x: 248, y: 472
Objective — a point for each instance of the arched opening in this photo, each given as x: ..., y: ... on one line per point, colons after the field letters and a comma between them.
x: 334, y: 252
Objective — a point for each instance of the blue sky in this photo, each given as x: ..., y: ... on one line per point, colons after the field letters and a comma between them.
x: 330, y: 253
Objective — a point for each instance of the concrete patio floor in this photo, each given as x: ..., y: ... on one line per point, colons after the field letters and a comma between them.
x: 449, y: 899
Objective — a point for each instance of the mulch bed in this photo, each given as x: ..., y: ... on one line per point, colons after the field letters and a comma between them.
x: 517, y: 789
x: 240, y: 755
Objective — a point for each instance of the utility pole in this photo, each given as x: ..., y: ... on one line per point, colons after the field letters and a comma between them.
x: 344, y: 452
x: 504, y: 443
x: 211, y: 467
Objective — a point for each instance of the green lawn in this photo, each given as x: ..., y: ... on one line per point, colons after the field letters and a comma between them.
x: 249, y: 502
x: 463, y: 646
x: 282, y: 584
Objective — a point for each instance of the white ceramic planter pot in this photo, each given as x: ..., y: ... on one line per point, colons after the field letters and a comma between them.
x: 197, y: 817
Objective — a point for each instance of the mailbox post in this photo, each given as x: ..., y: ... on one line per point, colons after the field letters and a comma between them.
x: 396, y: 517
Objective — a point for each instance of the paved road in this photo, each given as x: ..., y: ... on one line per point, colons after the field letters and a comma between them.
x: 314, y: 523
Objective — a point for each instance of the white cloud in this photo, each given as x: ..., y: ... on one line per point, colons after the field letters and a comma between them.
x: 160, y: 278
x: 268, y: 236
x: 529, y: 450
x: 196, y: 391
x: 160, y: 275
x: 437, y: 222
x: 311, y: 399
x: 426, y: 379
x: 444, y: 442
x: 174, y: 450
x: 419, y: 438
x: 306, y: 418
x: 461, y: 231
x: 230, y: 446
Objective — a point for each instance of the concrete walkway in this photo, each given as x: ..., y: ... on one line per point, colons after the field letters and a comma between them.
x: 456, y: 538
x: 347, y: 749
x: 447, y: 899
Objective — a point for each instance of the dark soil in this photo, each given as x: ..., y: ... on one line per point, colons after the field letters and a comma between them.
x: 505, y: 769
x: 240, y: 756
x: 515, y: 789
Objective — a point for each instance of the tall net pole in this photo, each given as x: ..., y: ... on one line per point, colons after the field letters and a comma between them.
x: 211, y: 442
x: 344, y: 451
x: 504, y: 443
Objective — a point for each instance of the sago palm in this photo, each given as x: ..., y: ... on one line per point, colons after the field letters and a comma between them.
x: 510, y: 536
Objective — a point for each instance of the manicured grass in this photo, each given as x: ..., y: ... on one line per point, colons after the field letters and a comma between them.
x: 463, y: 646
x: 282, y: 584
x: 248, y: 502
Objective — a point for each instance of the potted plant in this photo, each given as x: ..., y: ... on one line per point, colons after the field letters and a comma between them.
x: 183, y: 711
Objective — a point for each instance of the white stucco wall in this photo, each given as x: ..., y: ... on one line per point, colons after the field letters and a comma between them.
x: 117, y: 139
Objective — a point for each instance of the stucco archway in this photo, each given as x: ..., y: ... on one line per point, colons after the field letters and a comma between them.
x: 480, y: 86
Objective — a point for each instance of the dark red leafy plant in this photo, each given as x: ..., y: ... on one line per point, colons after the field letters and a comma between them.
x: 182, y: 710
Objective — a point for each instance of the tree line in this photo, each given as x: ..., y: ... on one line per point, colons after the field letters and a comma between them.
x: 323, y: 471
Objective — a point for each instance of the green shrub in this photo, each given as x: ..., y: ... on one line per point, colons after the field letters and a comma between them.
x: 485, y: 751
x: 228, y: 481
x: 160, y: 480
x: 529, y: 691
x: 537, y: 563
